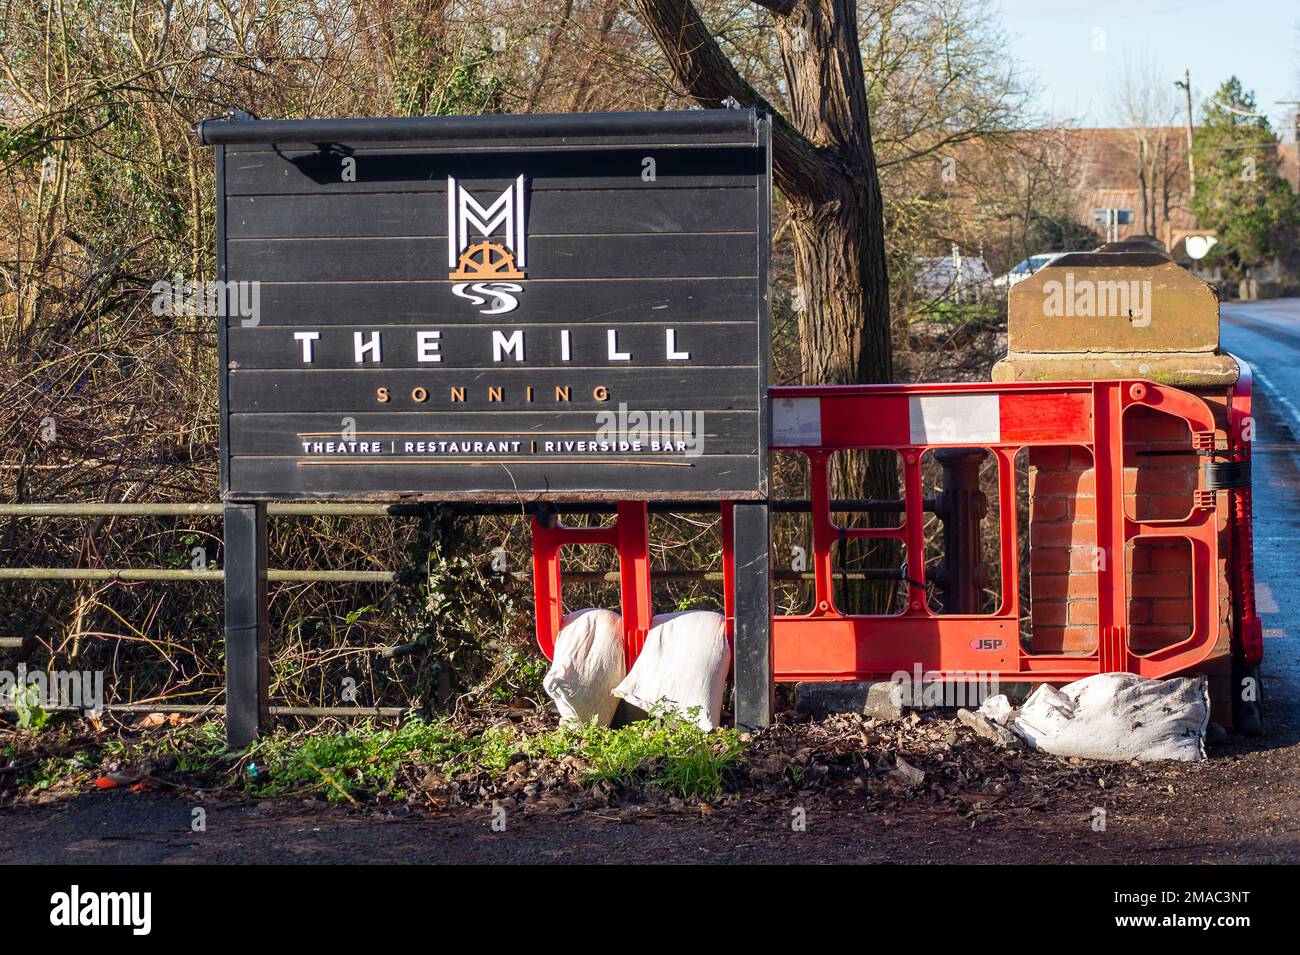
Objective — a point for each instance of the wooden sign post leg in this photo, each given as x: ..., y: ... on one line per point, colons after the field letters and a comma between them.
x: 248, y: 667
x: 752, y: 673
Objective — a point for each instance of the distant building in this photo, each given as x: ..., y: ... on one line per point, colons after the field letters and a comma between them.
x: 1134, y: 183
x: 1158, y: 204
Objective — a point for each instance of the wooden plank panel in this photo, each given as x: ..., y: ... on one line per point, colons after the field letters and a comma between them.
x: 340, y: 391
x: 565, y: 257
x: 705, y: 344
x: 321, y: 171
x: 550, y: 212
x: 571, y: 301
x: 285, y: 477
x: 451, y: 144
x: 724, y: 432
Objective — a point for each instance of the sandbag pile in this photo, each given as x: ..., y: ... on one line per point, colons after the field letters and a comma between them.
x: 682, y: 668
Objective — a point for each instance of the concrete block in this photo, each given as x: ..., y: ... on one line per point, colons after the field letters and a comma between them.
x: 879, y: 700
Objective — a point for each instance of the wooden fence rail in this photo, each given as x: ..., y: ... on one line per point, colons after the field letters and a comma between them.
x: 185, y: 575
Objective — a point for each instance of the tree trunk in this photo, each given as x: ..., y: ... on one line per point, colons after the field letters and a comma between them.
x: 839, y: 342
x: 824, y: 164
x: 838, y: 228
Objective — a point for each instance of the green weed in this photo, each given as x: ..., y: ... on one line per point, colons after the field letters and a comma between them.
x: 667, y: 753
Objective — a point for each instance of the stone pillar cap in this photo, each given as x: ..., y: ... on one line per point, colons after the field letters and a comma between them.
x: 1125, y: 310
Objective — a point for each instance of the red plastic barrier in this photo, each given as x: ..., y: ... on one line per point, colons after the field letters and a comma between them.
x: 827, y: 644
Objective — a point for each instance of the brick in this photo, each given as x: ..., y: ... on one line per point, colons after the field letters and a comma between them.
x: 1063, y: 534
x: 1045, y: 586
x: 1064, y: 560
x: 1143, y: 425
x: 1083, y: 509
x: 1079, y: 510
x: 1139, y: 611
x: 1086, y: 559
x: 1048, y: 613
x: 1161, y: 585
x: 1069, y: 483
x: 1174, y: 556
x: 1049, y: 458
x: 1083, y: 612
x: 1065, y: 587
x: 1064, y: 639
x: 1160, y: 507
x: 1172, y: 612
x: 1050, y: 560
x: 1043, y: 509
x: 1147, y: 638
x: 1157, y: 480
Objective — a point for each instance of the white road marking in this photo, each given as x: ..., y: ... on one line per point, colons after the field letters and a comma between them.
x: 1264, y: 598
x: 1292, y: 412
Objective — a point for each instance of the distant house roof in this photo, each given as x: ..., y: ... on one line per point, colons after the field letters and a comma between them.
x: 1108, y: 179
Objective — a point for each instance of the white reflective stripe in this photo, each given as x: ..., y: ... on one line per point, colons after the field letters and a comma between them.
x: 796, y: 422
x: 955, y: 419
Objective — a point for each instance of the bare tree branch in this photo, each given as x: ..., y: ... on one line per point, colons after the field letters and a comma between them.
x: 779, y: 7
x: 709, y: 77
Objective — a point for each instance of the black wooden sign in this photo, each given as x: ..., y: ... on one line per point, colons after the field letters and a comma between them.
x: 569, y: 306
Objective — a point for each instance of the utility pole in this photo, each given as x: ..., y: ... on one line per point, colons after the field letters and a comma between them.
x: 1186, y: 86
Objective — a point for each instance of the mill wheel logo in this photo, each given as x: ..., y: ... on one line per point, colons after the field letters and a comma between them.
x: 480, y: 268
x: 486, y: 260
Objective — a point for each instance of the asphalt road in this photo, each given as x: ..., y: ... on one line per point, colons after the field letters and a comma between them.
x: 1267, y: 336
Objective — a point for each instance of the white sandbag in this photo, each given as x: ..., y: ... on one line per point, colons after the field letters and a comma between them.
x: 1118, y: 716
x: 682, y: 667
x: 587, y: 665
x: 997, y: 709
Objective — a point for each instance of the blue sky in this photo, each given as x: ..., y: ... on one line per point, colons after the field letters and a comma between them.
x: 1075, y: 49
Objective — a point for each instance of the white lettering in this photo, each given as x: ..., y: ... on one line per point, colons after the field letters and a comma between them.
x: 673, y: 353
x: 502, y: 346
x: 307, y: 338
x: 371, y: 347
x: 426, y: 346
x: 614, y: 353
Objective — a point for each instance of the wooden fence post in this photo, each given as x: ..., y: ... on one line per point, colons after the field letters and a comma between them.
x: 248, y: 666
x: 753, y: 601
